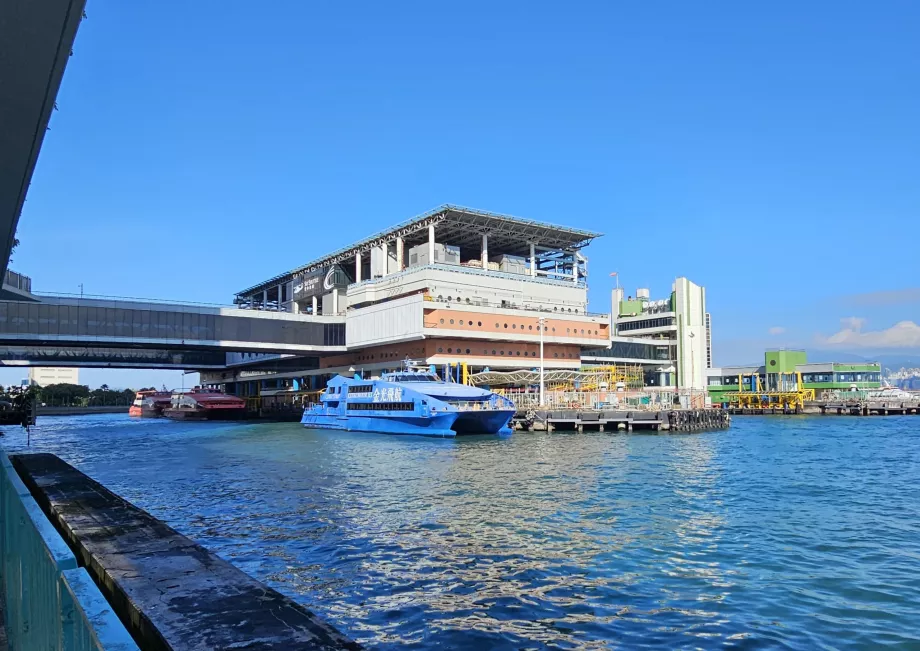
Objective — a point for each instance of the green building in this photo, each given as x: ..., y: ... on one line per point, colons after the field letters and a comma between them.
x: 781, y: 371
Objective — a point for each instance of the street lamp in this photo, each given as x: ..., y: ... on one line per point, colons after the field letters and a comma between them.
x: 541, y: 328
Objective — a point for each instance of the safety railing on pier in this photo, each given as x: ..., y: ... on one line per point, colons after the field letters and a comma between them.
x: 50, y: 603
x: 638, y: 400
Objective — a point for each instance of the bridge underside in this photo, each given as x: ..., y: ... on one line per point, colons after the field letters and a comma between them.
x: 35, y: 43
x: 110, y: 357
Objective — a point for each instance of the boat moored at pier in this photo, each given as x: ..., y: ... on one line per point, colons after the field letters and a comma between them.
x: 149, y: 404
x: 205, y: 404
x: 409, y: 402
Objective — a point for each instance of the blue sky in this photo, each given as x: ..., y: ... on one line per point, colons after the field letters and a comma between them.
x: 769, y: 152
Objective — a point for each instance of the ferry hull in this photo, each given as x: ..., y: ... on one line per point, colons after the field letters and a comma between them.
x: 437, y: 426
x: 204, y: 414
x: 484, y: 422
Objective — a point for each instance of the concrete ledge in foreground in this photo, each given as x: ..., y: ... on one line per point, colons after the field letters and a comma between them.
x: 170, y: 592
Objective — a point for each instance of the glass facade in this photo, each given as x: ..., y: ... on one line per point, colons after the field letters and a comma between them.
x: 660, y: 322
x: 61, y: 321
x: 629, y: 350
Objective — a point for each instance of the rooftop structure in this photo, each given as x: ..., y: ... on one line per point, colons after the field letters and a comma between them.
x: 474, y: 236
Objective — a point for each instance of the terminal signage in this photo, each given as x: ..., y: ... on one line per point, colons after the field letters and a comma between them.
x: 320, y: 282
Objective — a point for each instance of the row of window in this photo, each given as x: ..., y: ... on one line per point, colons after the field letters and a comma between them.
x: 660, y: 322
x: 514, y: 326
x: 380, y: 406
x: 807, y: 378
x: 504, y: 303
x: 630, y: 350
x: 369, y: 357
x: 485, y: 351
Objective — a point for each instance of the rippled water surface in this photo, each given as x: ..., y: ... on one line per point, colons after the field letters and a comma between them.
x: 785, y: 532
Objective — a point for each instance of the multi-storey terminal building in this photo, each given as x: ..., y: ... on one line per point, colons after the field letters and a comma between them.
x: 670, y: 338
x: 451, y: 288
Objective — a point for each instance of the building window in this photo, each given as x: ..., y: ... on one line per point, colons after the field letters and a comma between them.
x: 518, y: 353
x: 567, y: 331
x: 555, y: 354
x: 467, y: 351
x: 452, y: 322
x: 496, y: 326
x: 442, y: 321
x: 493, y: 351
x: 503, y: 353
x: 514, y: 326
x: 554, y: 328
x: 479, y: 323
x: 530, y: 327
x: 440, y: 350
x: 506, y: 326
x: 461, y: 321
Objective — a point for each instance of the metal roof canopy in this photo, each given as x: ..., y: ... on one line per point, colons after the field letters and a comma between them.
x: 458, y: 226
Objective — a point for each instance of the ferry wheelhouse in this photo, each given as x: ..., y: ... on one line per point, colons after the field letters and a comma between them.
x: 409, y: 402
x: 149, y: 404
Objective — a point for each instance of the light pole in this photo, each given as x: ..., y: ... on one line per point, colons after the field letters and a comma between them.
x: 542, y: 327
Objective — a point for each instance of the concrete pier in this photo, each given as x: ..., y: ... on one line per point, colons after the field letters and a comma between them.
x: 575, y: 420
x: 170, y: 592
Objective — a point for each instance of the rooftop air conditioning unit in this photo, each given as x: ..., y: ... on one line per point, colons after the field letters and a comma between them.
x: 443, y: 254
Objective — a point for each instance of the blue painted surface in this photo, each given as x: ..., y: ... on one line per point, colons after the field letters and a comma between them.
x: 780, y: 533
x: 413, y: 403
x: 42, y: 611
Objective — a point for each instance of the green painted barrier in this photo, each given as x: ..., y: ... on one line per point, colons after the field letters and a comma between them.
x: 50, y: 604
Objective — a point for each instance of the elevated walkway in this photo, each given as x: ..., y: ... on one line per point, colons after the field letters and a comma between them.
x: 97, y: 331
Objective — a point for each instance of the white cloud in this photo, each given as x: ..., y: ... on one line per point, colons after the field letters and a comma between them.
x: 905, y: 334
x: 777, y: 330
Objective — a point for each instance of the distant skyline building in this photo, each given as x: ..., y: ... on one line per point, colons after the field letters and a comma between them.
x: 46, y: 375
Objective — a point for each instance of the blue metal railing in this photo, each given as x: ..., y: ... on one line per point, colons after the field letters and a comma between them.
x: 51, y: 603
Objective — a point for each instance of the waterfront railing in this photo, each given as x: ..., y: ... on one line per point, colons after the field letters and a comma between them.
x: 50, y: 603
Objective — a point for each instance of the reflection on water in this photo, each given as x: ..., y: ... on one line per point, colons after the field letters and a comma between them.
x: 796, y: 533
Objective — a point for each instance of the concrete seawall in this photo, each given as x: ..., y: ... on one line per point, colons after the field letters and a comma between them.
x: 168, y: 591
x: 80, y: 411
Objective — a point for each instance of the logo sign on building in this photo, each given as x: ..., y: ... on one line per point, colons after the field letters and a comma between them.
x: 320, y: 282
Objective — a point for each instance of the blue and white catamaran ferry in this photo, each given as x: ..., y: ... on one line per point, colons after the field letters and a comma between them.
x: 409, y: 402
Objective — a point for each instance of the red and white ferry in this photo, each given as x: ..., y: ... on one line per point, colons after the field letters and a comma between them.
x: 205, y: 404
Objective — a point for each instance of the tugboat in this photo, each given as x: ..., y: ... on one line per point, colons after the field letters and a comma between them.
x: 409, y: 402
x: 204, y: 404
x: 149, y: 404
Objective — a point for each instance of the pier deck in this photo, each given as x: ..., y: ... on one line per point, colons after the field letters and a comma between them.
x: 170, y: 592
x: 579, y: 420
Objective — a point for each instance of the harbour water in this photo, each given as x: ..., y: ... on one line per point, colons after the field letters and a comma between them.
x: 799, y: 532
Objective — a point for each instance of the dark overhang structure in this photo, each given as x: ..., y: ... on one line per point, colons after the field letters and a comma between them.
x: 36, y: 37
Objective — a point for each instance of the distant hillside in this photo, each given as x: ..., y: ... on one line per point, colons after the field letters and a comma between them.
x: 894, y: 361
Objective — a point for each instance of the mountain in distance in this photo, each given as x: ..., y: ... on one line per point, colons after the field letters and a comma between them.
x: 894, y: 360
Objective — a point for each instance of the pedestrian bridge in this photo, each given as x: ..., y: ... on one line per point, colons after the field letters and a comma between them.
x: 61, y: 330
